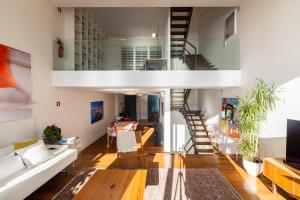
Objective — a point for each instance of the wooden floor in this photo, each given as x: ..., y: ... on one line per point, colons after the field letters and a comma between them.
x: 96, y: 155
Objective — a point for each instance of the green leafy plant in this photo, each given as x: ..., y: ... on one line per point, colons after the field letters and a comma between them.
x: 252, y: 112
x: 52, y: 134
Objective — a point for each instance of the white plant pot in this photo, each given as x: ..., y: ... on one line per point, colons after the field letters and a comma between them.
x: 254, y: 169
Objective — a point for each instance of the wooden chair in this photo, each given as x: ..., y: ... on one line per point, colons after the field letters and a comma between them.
x: 111, y: 133
x: 127, y: 146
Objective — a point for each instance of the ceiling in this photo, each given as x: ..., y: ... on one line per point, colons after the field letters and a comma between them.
x: 130, y: 91
x: 131, y: 22
x: 146, y: 3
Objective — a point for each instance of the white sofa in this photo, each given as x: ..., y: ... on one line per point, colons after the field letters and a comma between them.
x: 23, y: 183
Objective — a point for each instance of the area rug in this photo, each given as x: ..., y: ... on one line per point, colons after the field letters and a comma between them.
x: 169, y: 184
x: 184, y: 184
x: 73, y: 187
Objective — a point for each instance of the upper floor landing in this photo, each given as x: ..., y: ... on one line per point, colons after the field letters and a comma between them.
x: 147, y: 42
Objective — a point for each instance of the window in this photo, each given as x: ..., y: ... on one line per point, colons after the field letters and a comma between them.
x: 127, y: 58
x: 141, y: 55
x: 135, y: 57
x: 155, y: 52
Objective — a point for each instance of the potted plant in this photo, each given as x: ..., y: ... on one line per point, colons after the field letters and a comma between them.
x: 252, y: 112
x: 52, y: 134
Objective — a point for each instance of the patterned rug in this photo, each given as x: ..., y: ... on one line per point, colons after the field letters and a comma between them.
x: 182, y: 184
x: 169, y: 184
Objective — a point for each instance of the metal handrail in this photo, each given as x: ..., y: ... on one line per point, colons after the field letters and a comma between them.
x: 195, y: 52
x: 186, y: 108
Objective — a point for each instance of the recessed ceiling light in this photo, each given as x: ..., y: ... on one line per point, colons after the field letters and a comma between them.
x: 154, y: 35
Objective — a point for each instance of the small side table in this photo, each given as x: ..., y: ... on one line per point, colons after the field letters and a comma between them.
x: 73, y: 143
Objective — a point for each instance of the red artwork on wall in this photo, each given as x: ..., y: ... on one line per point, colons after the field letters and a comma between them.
x: 6, y: 77
x: 15, y: 84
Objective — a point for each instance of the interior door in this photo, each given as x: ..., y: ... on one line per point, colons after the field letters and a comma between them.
x: 153, y: 108
x: 130, y: 106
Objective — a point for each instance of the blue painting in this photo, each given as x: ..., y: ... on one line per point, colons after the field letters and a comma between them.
x: 96, y: 111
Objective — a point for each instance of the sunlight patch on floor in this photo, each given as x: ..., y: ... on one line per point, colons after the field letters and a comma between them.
x: 105, y: 160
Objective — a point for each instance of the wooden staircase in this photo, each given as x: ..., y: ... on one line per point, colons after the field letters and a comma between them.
x: 201, y: 139
x: 198, y: 62
x: 180, y: 25
x: 177, y: 99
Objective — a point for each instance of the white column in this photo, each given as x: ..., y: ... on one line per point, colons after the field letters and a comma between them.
x: 167, y: 121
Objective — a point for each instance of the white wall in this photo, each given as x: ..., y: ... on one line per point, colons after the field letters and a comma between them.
x: 167, y: 120
x: 269, y: 49
x: 210, y: 39
x: 193, y: 100
x: 179, y: 133
x: 118, y: 101
x: 65, y: 24
x: 18, y: 130
x: 30, y: 26
x: 131, y: 22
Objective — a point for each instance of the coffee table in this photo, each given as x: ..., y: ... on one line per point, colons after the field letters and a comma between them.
x: 114, y: 184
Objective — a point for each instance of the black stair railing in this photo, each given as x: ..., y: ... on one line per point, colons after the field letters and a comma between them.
x: 189, y: 120
x: 188, y: 115
x: 193, y: 67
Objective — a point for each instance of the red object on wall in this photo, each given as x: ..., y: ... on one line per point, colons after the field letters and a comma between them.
x: 6, y: 77
x: 58, y: 103
x: 61, y: 50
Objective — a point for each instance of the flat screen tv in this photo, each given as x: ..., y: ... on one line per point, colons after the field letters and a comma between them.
x: 293, y: 143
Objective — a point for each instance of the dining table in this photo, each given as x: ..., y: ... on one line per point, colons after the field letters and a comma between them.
x: 124, y: 126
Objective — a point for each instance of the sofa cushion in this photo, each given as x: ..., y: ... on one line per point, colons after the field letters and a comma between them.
x: 22, y: 184
x: 34, y: 154
x: 23, y: 144
x: 10, y: 165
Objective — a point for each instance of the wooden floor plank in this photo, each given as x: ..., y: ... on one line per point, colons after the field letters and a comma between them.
x: 96, y: 155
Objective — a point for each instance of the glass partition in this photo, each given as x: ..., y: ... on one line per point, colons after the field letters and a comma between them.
x: 208, y: 55
x: 145, y: 54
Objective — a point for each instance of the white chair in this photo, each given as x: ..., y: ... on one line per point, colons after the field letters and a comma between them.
x: 127, y: 146
x: 111, y: 133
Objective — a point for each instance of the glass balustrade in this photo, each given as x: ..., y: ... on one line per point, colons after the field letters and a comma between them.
x: 146, y: 54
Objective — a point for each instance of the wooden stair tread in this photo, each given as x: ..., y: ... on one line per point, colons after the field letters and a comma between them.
x: 202, y: 131
x: 181, y: 9
x: 197, y: 120
x: 180, y: 18
x: 204, y: 150
x: 177, y: 39
x: 177, y: 45
x: 203, y: 143
x: 199, y: 125
x: 178, y: 25
x: 178, y: 32
x: 201, y: 136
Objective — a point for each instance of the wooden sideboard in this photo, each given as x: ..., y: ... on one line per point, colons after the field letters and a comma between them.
x: 282, y: 175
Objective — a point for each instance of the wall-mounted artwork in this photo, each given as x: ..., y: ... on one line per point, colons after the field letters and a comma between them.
x: 15, y: 84
x: 230, y: 25
x: 228, y: 124
x: 97, y: 111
